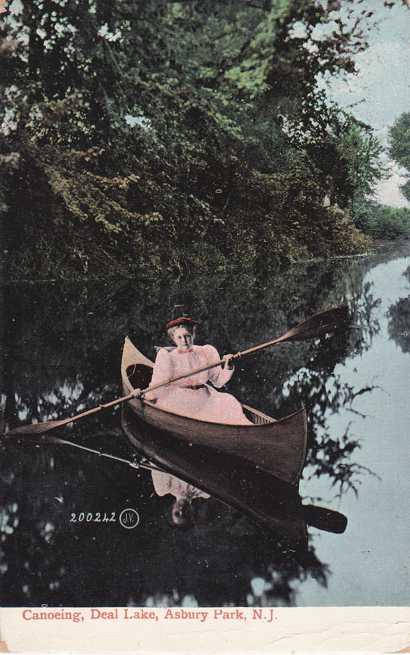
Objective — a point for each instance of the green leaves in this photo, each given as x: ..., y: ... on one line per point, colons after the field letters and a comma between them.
x: 400, y: 147
x: 217, y: 109
x: 383, y: 222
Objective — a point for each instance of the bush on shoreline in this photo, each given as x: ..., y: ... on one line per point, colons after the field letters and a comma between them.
x: 72, y: 217
x: 384, y: 222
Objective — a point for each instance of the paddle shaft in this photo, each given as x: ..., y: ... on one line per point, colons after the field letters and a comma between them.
x: 207, y: 368
x: 312, y: 327
x: 289, y: 335
x: 130, y: 396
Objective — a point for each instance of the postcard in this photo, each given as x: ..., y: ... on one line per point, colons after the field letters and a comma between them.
x: 205, y: 326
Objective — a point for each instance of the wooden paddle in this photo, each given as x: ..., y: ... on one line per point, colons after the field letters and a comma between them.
x: 316, y: 326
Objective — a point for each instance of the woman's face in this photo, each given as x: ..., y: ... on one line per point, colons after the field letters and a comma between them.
x: 181, y: 513
x: 183, y: 338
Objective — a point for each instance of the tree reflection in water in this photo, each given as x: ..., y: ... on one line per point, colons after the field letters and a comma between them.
x: 325, y: 392
x: 62, y: 348
x: 399, y: 323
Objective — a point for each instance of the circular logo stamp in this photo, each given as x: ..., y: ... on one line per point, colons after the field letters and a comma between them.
x: 129, y: 518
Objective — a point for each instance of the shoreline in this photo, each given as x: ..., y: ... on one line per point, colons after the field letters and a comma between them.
x: 378, y: 247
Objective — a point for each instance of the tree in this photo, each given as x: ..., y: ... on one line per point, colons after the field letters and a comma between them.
x: 196, y: 121
x: 349, y: 157
x: 400, y: 148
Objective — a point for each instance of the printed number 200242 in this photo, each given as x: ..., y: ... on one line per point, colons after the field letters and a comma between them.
x: 93, y: 517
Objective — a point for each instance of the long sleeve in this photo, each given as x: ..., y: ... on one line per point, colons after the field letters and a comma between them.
x: 218, y: 375
x: 161, y: 373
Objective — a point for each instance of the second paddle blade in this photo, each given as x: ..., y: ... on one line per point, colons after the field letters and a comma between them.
x: 325, y: 519
x: 34, y: 429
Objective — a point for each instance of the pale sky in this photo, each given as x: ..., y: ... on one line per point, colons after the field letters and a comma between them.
x: 382, y: 87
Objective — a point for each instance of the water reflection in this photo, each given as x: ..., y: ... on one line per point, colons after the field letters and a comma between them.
x: 64, y: 562
x: 399, y: 320
x: 62, y: 345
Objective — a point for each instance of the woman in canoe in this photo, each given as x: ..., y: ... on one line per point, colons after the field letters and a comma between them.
x: 193, y: 396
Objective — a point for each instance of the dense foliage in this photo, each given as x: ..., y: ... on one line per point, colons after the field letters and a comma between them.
x: 171, y: 136
x: 383, y: 222
x: 400, y: 148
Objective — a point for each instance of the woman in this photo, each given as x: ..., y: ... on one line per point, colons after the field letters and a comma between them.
x: 193, y: 396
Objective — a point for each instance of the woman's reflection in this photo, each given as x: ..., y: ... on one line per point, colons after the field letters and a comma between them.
x: 182, y: 515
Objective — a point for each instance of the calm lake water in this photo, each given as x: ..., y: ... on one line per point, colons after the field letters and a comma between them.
x: 60, y: 353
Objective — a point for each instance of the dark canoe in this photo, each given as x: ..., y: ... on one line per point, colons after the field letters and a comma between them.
x: 259, y: 481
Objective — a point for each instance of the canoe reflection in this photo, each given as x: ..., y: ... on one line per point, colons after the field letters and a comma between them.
x: 193, y: 472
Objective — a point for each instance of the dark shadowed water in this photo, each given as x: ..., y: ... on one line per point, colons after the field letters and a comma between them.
x: 61, y: 539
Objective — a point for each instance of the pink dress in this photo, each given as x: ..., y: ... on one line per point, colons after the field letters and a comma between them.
x: 203, y: 403
x: 165, y: 483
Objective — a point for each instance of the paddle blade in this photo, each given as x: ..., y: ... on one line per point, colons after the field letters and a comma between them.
x: 325, y: 519
x: 34, y: 429
x: 319, y: 324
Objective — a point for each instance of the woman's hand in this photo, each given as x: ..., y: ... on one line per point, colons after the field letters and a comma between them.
x: 227, y: 360
x: 137, y: 393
